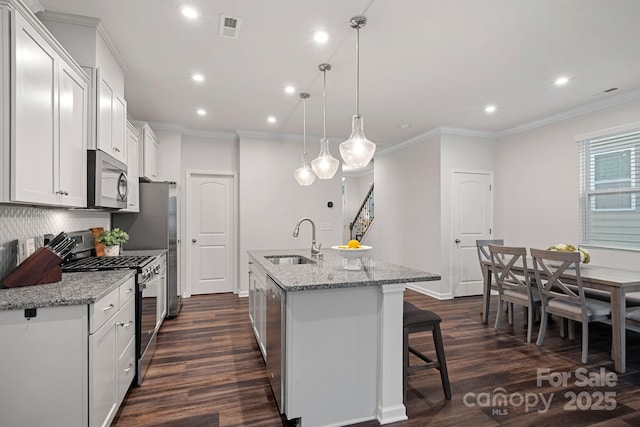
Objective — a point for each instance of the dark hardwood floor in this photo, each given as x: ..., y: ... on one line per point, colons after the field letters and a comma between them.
x: 207, y: 371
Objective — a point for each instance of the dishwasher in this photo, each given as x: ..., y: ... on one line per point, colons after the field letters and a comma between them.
x: 276, y: 299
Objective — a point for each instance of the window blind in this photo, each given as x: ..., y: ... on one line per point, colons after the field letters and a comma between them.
x: 610, y: 189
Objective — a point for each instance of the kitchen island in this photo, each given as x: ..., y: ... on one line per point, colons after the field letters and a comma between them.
x: 340, y: 341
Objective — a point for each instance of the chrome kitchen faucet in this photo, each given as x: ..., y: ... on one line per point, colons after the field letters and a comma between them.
x: 315, y: 250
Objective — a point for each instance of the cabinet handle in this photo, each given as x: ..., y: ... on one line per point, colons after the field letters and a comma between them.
x: 108, y: 308
x: 129, y: 368
x: 62, y: 192
x: 128, y: 291
x: 117, y: 150
x: 126, y: 325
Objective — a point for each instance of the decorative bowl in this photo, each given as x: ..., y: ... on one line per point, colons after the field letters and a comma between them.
x: 352, y: 255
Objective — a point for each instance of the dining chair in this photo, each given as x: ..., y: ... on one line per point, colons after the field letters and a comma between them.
x: 561, y: 299
x: 513, y: 288
x: 482, y: 246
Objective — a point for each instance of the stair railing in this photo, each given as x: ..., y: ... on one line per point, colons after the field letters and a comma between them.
x: 363, y: 219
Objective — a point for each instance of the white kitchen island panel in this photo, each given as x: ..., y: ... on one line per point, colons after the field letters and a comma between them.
x: 332, y: 335
x: 343, y: 345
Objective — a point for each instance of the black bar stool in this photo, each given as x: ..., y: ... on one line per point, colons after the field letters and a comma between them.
x: 418, y: 320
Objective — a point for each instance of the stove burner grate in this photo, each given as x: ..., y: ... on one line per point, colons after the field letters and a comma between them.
x: 107, y: 263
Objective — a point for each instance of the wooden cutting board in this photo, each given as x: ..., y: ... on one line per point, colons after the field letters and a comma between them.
x: 98, y: 246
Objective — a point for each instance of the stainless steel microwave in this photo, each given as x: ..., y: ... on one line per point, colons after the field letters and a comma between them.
x: 107, y: 181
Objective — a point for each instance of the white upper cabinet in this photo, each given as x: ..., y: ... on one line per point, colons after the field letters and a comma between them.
x: 133, y: 195
x: 149, y: 146
x: 87, y: 41
x: 44, y: 123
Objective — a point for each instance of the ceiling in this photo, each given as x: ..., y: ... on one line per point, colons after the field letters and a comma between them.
x: 423, y: 63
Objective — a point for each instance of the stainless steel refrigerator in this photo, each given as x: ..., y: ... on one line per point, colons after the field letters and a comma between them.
x: 156, y: 227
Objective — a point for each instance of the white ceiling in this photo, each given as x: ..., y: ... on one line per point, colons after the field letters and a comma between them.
x: 428, y: 63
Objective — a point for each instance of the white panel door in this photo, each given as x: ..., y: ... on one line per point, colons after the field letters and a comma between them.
x: 210, y: 251
x: 472, y: 219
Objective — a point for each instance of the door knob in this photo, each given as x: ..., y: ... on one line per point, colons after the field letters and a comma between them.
x: 194, y: 240
x: 457, y: 240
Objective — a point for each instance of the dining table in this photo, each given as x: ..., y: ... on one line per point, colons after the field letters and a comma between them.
x: 616, y: 281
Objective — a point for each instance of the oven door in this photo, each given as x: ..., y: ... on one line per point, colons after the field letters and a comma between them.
x: 107, y: 185
x: 148, y: 312
x: 146, y: 332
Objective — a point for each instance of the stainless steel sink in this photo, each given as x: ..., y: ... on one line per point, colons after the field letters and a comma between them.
x: 289, y: 260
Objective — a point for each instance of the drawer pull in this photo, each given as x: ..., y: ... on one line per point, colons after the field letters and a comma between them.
x: 109, y: 307
x: 129, y: 323
x: 129, y: 368
x: 128, y: 291
x: 120, y: 324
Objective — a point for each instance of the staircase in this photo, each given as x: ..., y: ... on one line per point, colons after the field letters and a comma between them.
x: 364, y: 218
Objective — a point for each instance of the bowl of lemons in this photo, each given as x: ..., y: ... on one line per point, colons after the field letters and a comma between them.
x: 352, y: 252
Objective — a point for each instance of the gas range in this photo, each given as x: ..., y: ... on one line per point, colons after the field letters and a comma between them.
x: 150, y: 290
x: 108, y: 263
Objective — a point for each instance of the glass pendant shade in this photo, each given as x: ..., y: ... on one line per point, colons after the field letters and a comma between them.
x: 304, y: 174
x: 357, y: 151
x: 325, y: 165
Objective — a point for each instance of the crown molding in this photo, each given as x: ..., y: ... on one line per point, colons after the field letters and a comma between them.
x: 174, y: 127
x: 244, y: 133
x: 448, y: 130
x: 86, y: 21
x: 34, y: 6
x: 591, y: 107
x: 440, y: 130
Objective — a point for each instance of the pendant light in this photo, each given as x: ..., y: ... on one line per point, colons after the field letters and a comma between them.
x: 325, y: 165
x: 357, y: 151
x: 304, y: 174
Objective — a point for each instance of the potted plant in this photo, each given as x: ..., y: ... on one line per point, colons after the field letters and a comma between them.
x: 112, y: 239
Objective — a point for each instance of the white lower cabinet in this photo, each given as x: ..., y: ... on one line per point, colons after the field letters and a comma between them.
x: 69, y: 365
x: 110, y: 364
x: 102, y: 374
x: 257, y: 305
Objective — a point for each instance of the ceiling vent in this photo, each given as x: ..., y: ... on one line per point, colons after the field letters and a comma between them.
x: 229, y: 26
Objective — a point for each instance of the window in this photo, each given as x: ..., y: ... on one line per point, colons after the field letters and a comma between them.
x: 609, y: 188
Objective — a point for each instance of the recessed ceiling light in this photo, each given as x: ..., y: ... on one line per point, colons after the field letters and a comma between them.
x: 290, y: 89
x: 490, y: 109
x: 404, y: 125
x: 189, y: 12
x: 271, y: 119
x: 321, y: 36
x: 561, y: 81
x: 197, y: 77
x: 201, y: 112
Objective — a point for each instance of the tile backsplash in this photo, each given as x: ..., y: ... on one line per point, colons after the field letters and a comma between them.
x: 20, y: 222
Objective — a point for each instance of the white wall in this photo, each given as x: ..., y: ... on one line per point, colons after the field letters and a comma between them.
x: 209, y: 153
x: 536, y: 183
x: 413, y: 202
x: 407, y: 197
x: 271, y: 201
x: 169, y: 155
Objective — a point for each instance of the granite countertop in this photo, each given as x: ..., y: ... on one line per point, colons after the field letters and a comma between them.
x: 74, y: 289
x: 79, y: 288
x: 329, y: 273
